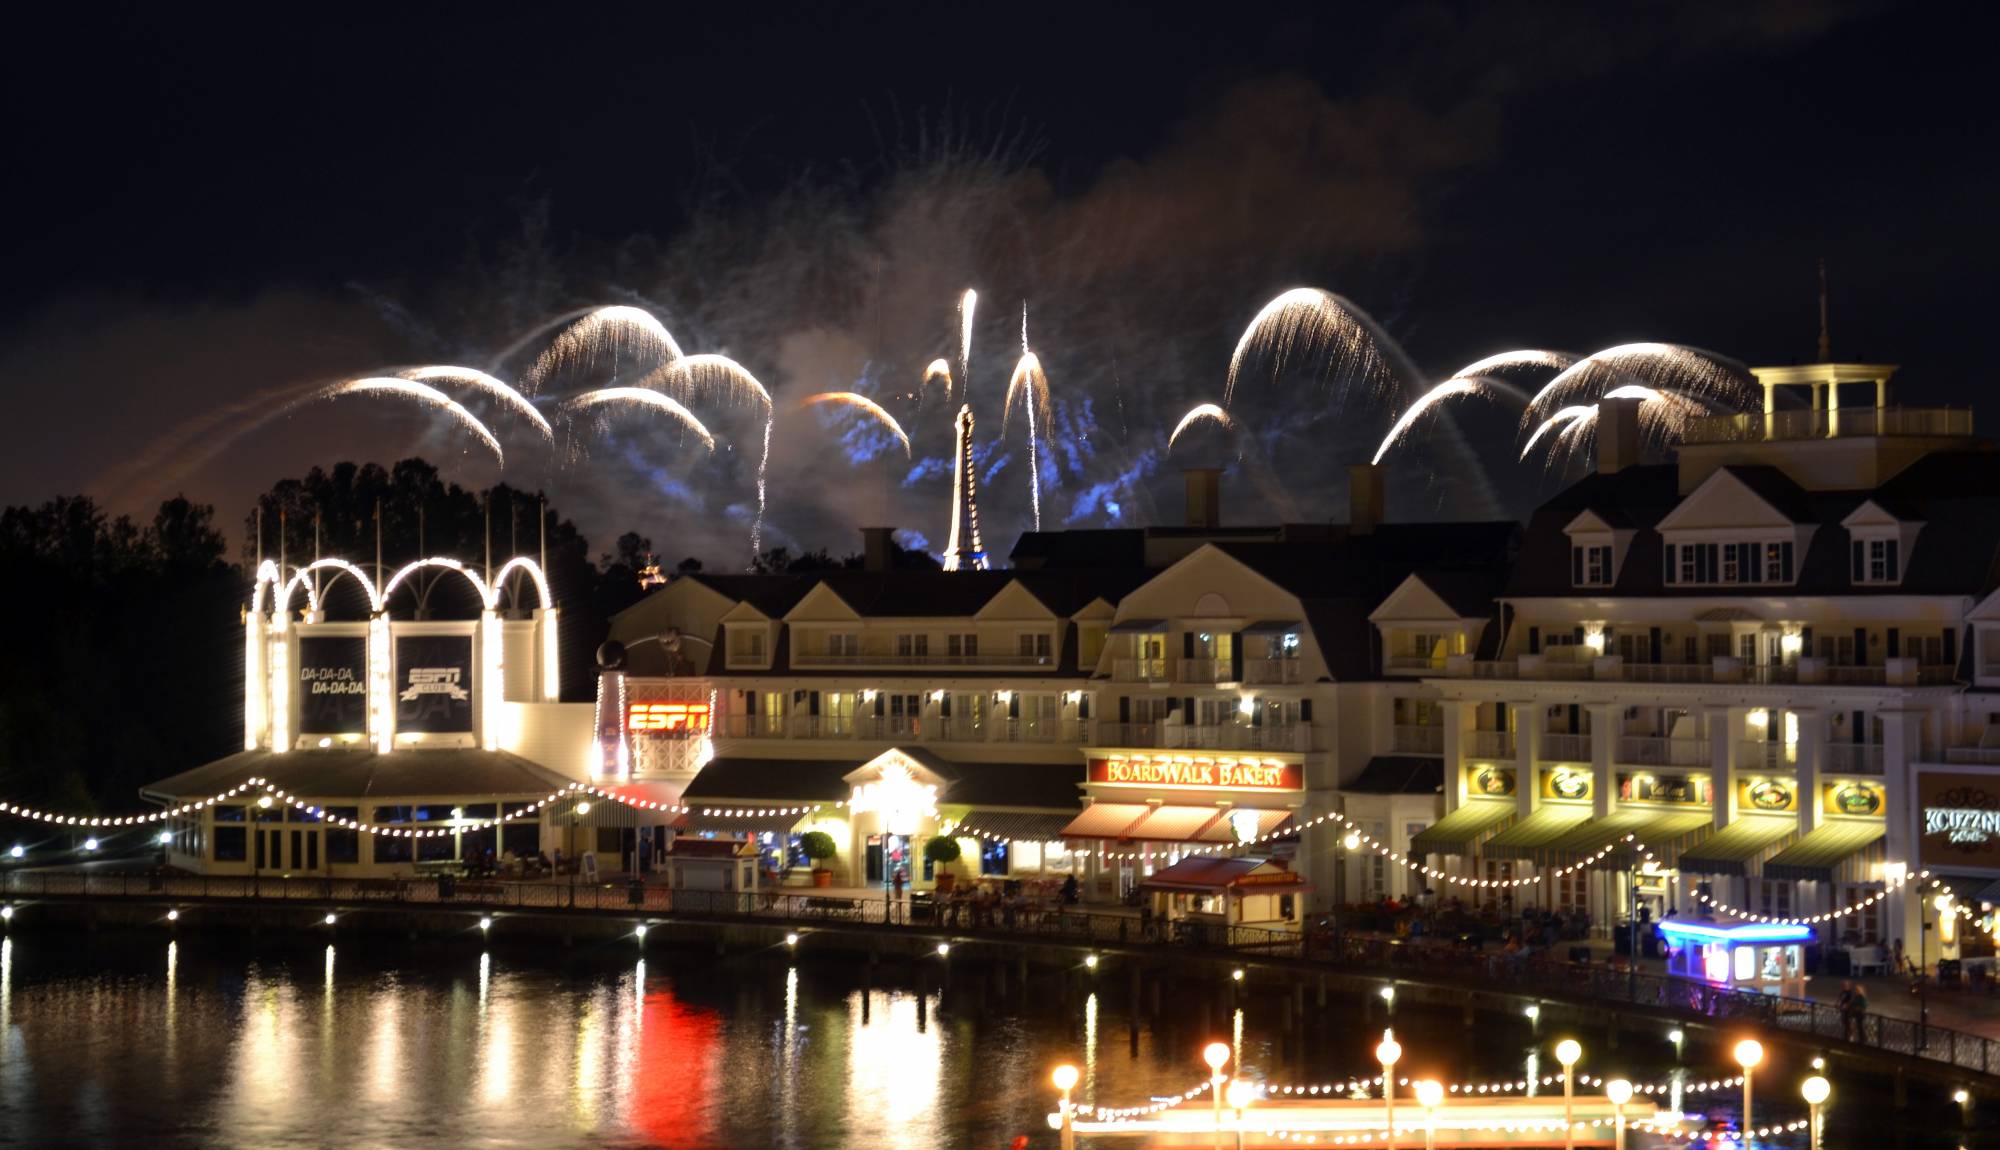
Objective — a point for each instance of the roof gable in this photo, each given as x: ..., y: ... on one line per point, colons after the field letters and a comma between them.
x: 1726, y: 499
x: 1414, y: 601
x: 822, y: 604
x: 1873, y: 514
x: 1014, y: 602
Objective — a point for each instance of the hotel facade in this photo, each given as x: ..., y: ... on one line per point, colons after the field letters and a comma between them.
x: 1771, y: 660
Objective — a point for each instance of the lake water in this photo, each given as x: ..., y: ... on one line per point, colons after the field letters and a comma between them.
x: 122, y: 1039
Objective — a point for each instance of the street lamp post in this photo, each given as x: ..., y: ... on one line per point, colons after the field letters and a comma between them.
x: 1749, y: 1053
x: 1216, y: 1054
x: 1387, y: 1052
x: 1240, y: 1095
x: 1567, y: 1052
x: 1619, y: 1091
x: 1065, y: 1077
x: 1815, y: 1090
x: 1430, y: 1096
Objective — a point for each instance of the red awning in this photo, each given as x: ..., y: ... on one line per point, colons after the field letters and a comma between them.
x: 1105, y: 820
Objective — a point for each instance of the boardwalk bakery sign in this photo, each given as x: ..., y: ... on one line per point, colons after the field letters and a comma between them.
x: 1959, y: 819
x: 1240, y: 774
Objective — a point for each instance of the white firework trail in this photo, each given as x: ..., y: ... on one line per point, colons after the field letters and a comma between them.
x: 1198, y: 412
x: 1688, y: 372
x: 1424, y: 403
x: 966, y: 305
x: 1567, y: 416
x: 1031, y: 385
x: 861, y: 402
x: 644, y: 397
x: 694, y: 377
x: 1337, y: 335
x: 939, y: 369
x: 605, y: 335
x: 474, y: 378
x: 423, y: 393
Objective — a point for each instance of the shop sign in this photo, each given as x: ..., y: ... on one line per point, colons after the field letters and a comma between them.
x: 1564, y: 783
x: 1217, y: 773
x: 1959, y: 819
x: 1774, y: 796
x: 1853, y: 797
x: 434, y: 683
x: 1646, y: 787
x: 667, y: 719
x: 1493, y: 782
x: 333, y: 685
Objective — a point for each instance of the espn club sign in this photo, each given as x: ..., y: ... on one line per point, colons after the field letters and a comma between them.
x: 1199, y: 773
x: 668, y: 718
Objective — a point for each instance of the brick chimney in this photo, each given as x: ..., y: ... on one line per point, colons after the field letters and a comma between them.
x: 1366, y: 495
x: 1617, y: 434
x: 1204, y: 496
x: 878, y: 548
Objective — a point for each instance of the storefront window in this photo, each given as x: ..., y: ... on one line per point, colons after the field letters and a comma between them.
x: 231, y: 843
x: 795, y: 851
x: 342, y: 845
x: 228, y: 814
x: 1058, y: 857
x: 993, y: 858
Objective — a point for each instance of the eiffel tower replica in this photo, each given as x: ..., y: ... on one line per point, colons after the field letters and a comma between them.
x: 964, y: 551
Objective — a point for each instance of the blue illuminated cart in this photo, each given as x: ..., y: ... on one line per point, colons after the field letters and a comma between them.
x: 1768, y: 957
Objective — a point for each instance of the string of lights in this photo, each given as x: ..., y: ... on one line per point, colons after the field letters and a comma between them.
x: 1893, y: 884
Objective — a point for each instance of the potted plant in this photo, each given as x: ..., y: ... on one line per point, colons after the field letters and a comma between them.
x: 943, y: 851
x: 819, y: 847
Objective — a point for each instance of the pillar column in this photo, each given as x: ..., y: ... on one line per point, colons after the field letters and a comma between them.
x: 1527, y: 756
x: 1604, y: 724
x: 1812, y: 741
x: 1900, y: 753
x: 1455, y: 713
x: 1723, y: 723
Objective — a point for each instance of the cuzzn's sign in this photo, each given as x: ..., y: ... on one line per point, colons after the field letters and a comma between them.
x: 333, y: 685
x: 1219, y: 773
x: 1958, y: 819
x: 433, y: 683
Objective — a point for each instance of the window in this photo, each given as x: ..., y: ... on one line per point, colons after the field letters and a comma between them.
x: 1776, y: 897
x: 231, y: 844
x: 1875, y: 561
x: 747, y: 645
x: 343, y: 845
x: 993, y: 858
x: 962, y: 646
x: 1687, y: 564
x: 913, y: 646
x: 843, y: 644
x: 1777, y: 563
x: 1035, y: 645
x: 1590, y: 566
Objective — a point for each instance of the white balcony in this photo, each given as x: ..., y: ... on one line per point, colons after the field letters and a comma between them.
x: 1001, y: 661
x: 1206, y: 670
x: 1854, y: 676
x: 1654, y: 751
x: 1141, y: 670
x: 1490, y: 744
x: 890, y: 727
x: 1562, y: 747
x: 1766, y: 756
x: 1263, y: 672
x: 1413, y: 739
x: 1414, y: 664
x: 1666, y: 672
x: 1853, y: 758
x: 1981, y: 755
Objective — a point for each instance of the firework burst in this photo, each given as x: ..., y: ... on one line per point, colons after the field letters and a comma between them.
x: 610, y: 338
x: 862, y: 403
x: 1195, y: 414
x: 1323, y: 332
x: 480, y: 381
x: 646, y: 399
x: 423, y: 393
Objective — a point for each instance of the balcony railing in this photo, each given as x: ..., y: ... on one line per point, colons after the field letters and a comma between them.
x: 1229, y: 737
x: 1490, y: 744
x: 1837, y: 423
x: 1854, y: 758
x: 1029, y: 730
x: 1276, y: 671
x: 1414, y: 663
x: 890, y: 727
x: 1655, y: 751
x: 1666, y: 672
x: 997, y: 660
x: 1766, y: 756
x: 1563, y: 747
x: 1417, y: 739
x: 1771, y: 673
x: 1141, y: 670
x: 1854, y: 676
x: 1206, y: 670
x: 1972, y: 754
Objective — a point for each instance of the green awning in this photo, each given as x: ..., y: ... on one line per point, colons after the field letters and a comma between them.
x: 1728, y: 850
x: 1662, y: 832
x: 1534, y: 834
x: 1455, y: 833
x: 1825, y: 847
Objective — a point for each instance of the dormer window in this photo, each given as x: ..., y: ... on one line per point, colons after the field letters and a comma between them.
x: 1875, y: 561
x: 1590, y: 566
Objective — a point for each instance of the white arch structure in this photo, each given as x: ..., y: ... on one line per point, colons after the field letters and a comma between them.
x: 267, y: 647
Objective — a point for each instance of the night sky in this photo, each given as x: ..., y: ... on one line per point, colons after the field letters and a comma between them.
x: 209, y: 214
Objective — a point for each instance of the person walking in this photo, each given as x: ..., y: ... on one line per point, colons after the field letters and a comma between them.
x: 1846, y: 1004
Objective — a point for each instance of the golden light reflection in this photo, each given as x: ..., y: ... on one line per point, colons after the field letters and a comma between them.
x: 173, y: 967
x: 6, y: 985
x: 264, y: 1084
x: 587, y: 1063
x: 1090, y: 1045
x: 385, y: 1079
x: 1236, y: 1039
x: 497, y: 1038
x: 892, y: 1072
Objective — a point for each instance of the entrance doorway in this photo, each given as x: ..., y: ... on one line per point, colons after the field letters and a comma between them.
x: 886, y: 855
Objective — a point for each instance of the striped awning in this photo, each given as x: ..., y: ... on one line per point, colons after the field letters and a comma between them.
x: 1534, y: 834
x: 1729, y: 850
x: 1105, y: 820
x: 1662, y: 832
x: 1455, y: 833
x: 736, y: 822
x: 1172, y: 824
x: 1814, y: 857
x: 1022, y: 826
